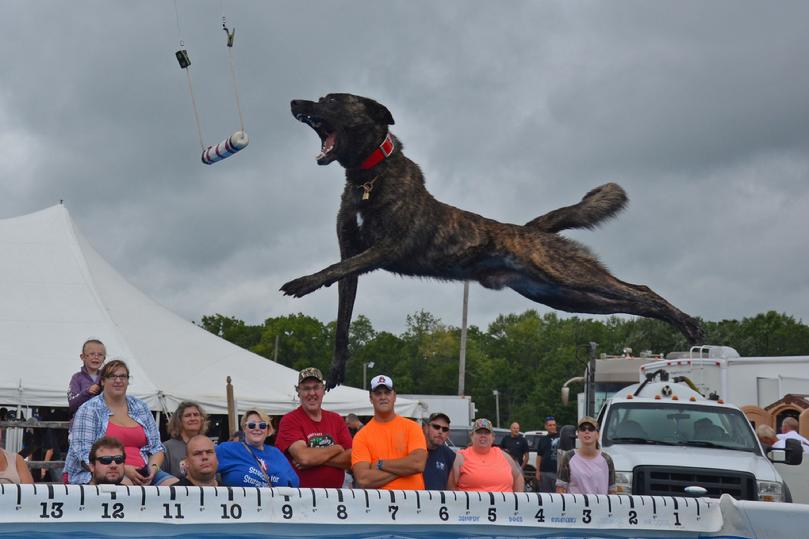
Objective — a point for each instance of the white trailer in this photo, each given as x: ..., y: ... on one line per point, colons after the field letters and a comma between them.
x: 757, y: 381
x: 461, y: 410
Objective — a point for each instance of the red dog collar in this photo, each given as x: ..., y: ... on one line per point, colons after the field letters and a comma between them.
x: 384, y: 150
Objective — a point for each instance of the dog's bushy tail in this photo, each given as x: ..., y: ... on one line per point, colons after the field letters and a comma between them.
x: 603, y: 202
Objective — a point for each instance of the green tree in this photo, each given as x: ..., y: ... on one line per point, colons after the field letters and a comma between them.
x: 526, y: 357
x: 303, y: 341
x: 233, y: 330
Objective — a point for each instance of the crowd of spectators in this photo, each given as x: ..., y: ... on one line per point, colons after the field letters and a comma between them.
x: 114, y: 439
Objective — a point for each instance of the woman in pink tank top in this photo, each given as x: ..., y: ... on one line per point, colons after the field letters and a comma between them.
x: 483, y: 467
x: 133, y: 439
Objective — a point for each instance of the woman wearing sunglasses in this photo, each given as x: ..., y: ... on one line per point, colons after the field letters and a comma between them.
x: 253, y: 463
x: 114, y: 413
x: 586, y: 470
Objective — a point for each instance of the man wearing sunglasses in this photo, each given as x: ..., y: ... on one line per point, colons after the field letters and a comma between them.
x: 316, y: 441
x: 440, y: 458
x: 586, y: 470
x: 107, y: 461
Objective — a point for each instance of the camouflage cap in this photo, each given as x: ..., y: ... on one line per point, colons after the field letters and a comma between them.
x: 310, y: 372
x: 482, y: 423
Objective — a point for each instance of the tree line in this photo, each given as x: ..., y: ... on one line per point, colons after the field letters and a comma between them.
x: 526, y: 357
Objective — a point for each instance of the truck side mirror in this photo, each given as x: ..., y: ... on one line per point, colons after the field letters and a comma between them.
x: 567, y: 438
x: 794, y: 452
x: 791, y: 454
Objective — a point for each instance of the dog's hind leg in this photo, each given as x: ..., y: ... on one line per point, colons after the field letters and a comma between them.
x: 610, y: 296
x: 603, y: 202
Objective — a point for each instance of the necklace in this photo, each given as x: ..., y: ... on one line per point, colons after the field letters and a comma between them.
x: 367, y: 187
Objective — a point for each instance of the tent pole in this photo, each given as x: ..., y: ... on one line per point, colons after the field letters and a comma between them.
x: 231, y: 408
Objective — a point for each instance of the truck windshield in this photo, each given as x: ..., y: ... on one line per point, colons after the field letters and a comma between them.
x: 677, y: 424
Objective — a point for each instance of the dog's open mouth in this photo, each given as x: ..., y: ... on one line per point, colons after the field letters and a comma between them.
x: 328, y: 136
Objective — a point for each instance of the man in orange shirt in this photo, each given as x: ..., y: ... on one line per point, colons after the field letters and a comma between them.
x: 390, y: 451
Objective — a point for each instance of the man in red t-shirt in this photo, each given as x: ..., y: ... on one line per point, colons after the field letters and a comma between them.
x: 316, y: 441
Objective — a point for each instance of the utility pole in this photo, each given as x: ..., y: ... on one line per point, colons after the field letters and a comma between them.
x: 462, y: 359
x: 496, y: 394
x: 591, y: 382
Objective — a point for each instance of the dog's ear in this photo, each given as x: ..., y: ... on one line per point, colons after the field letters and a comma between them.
x: 379, y: 112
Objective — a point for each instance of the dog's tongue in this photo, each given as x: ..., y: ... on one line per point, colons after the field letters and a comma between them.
x: 328, y: 145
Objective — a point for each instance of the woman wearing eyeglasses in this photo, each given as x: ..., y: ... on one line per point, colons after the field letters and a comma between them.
x: 586, y: 470
x: 116, y: 414
x: 253, y: 463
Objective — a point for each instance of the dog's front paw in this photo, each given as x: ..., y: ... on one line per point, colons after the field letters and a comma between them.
x: 336, y: 376
x: 301, y: 286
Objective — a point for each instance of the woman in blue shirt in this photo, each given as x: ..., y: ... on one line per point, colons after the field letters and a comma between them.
x: 253, y: 463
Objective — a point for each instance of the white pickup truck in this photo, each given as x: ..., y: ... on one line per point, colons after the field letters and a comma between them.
x: 667, y: 439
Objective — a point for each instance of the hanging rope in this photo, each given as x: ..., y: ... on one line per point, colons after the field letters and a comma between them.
x: 185, y: 64
x: 231, y: 61
x: 238, y: 140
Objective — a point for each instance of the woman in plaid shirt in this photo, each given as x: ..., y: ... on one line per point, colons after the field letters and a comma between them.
x: 114, y: 413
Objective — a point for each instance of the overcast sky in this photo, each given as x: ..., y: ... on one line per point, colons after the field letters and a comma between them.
x: 700, y: 110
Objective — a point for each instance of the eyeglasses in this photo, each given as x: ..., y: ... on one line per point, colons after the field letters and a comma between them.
x: 117, y: 377
x: 253, y: 425
x: 587, y: 428
x: 109, y: 459
x: 310, y: 389
x: 439, y: 427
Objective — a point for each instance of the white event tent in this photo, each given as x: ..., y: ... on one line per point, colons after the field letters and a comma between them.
x: 56, y: 291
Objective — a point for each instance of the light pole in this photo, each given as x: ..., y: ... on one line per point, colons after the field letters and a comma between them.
x: 497, y: 406
x: 370, y: 365
x: 462, y: 358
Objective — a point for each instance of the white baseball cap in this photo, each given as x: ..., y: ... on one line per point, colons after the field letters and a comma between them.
x: 381, y: 380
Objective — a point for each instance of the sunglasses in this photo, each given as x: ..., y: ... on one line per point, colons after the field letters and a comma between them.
x: 550, y: 418
x: 439, y: 427
x: 587, y: 428
x: 106, y: 461
x: 253, y: 425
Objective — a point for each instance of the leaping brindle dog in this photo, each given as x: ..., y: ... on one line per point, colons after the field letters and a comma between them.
x: 389, y: 220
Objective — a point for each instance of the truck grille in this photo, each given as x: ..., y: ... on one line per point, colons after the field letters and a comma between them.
x: 671, y: 480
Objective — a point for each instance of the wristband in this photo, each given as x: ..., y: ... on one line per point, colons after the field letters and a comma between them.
x: 379, y: 465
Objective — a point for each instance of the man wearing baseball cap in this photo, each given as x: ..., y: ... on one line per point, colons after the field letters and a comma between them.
x: 316, y: 441
x: 440, y: 458
x: 390, y: 451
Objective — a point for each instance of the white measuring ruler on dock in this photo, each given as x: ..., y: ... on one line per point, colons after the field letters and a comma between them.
x: 218, y: 505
